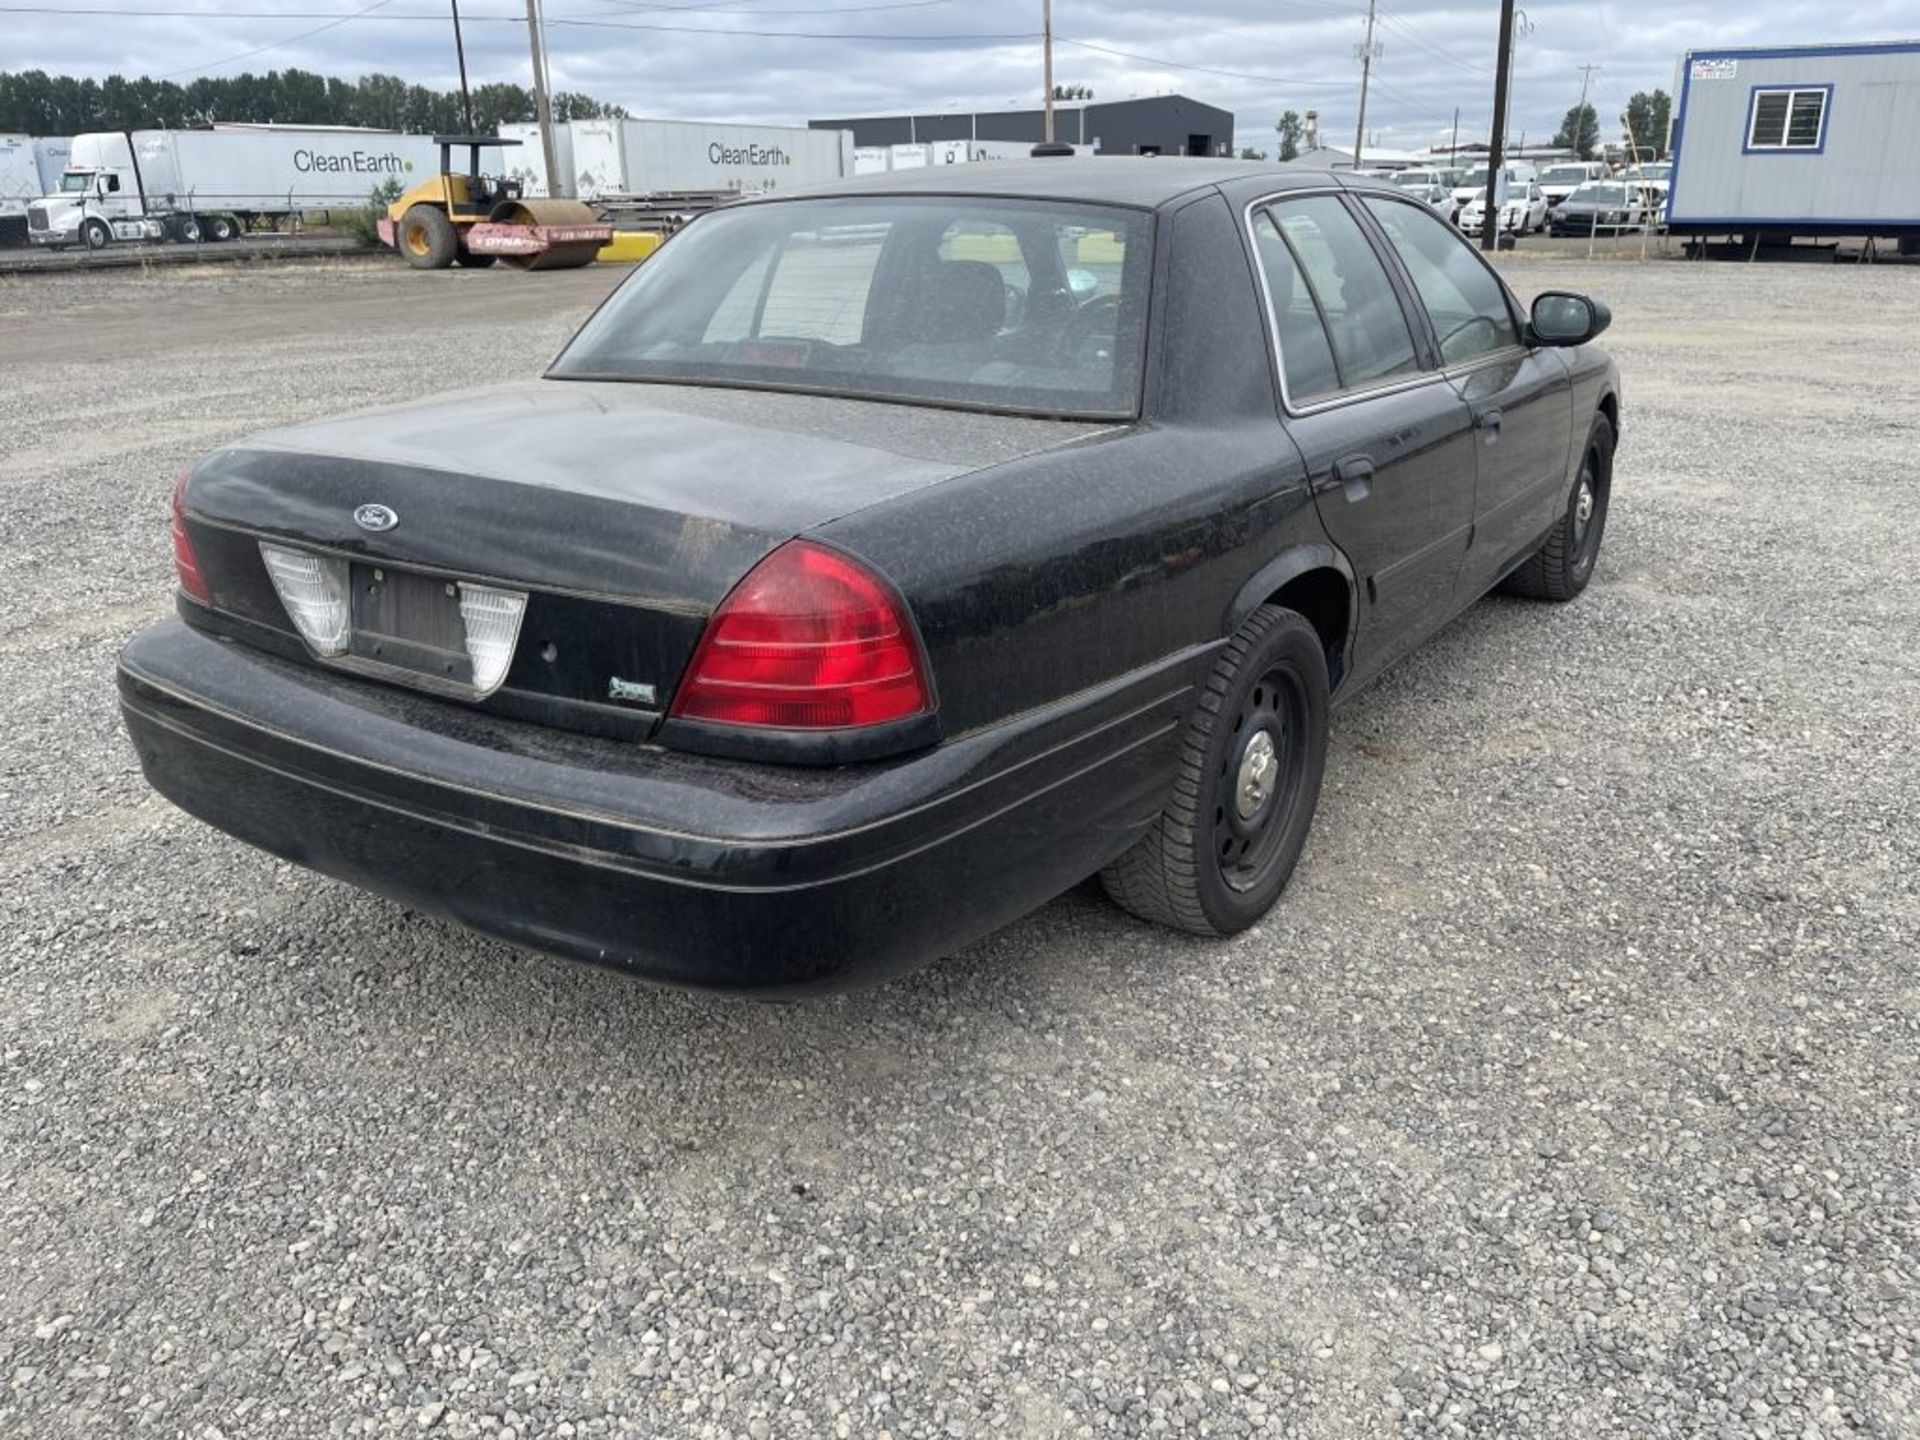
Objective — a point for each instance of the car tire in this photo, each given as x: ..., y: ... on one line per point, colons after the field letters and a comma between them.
x: 1561, y: 568
x: 96, y: 235
x: 425, y: 238
x: 1243, y: 798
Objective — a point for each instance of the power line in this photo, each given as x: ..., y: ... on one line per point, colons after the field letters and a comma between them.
x: 437, y: 18
x: 794, y: 34
x: 275, y: 44
x: 1200, y: 69
x: 705, y: 9
x: 1406, y: 31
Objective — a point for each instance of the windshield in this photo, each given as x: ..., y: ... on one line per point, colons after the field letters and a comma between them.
x: 1565, y: 175
x: 1476, y: 176
x: 999, y: 304
x: 74, y: 181
x: 1601, y: 194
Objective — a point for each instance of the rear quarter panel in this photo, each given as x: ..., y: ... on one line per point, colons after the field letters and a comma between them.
x: 1123, y: 554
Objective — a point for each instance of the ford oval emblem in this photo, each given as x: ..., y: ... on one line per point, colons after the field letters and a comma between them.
x: 375, y: 517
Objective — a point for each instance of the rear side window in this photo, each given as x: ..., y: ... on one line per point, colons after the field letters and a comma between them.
x: 1466, y: 303
x: 1305, y: 356
x: 1350, y: 289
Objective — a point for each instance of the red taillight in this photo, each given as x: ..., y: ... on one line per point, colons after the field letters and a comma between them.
x: 810, y: 640
x: 185, y: 563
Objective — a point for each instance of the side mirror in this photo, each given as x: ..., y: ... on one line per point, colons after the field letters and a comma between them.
x: 1562, y: 318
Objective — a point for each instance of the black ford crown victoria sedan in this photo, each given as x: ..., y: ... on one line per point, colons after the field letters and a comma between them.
x: 878, y: 563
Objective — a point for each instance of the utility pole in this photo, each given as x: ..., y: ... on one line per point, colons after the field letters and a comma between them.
x: 460, y: 50
x: 1453, y: 155
x: 1580, y: 114
x: 1366, y: 71
x: 1496, y: 150
x: 543, y: 103
x: 1046, y: 46
x: 1522, y: 27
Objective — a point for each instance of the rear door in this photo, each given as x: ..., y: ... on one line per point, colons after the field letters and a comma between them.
x: 1387, y: 443
x: 1521, y: 398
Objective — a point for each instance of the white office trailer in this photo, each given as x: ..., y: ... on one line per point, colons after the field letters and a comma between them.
x: 211, y: 184
x: 1802, y: 140
x: 646, y: 157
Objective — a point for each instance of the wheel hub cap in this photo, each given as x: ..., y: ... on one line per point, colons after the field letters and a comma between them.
x: 1258, y: 770
x: 1583, y: 507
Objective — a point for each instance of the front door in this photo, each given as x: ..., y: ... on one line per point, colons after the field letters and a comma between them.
x: 1520, y: 398
x: 1522, y: 403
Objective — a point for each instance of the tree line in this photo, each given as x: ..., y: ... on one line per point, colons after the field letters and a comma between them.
x: 36, y: 103
x: 1646, y: 116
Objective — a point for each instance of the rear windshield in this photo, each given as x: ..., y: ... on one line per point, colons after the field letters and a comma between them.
x: 1602, y: 194
x: 996, y: 304
x: 1565, y: 175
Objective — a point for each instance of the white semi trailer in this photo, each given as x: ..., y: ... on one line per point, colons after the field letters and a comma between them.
x: 19, y: 186
x: 30, y: 166
x: 604, y: 158
x: 50, y: 156
x: 212, y: 184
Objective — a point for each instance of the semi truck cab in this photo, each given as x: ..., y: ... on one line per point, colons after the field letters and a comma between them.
x: 94, y: 206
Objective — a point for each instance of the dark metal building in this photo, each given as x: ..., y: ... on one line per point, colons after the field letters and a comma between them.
x: 1156, y: 125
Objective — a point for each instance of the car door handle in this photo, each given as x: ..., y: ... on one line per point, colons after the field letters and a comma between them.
x: 1488, y: 420
x: 1354, y: 475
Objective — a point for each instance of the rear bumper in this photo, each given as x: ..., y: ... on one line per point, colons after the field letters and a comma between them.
x: 679, y: 868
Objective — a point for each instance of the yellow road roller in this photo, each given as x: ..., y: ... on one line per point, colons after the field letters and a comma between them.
x: 475, y: 219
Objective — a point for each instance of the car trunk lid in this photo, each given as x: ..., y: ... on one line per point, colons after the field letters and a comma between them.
x: 624, y: 513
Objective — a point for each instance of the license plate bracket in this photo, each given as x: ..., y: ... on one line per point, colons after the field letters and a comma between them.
x: 410, y: 621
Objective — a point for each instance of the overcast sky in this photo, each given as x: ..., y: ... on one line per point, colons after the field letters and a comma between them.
x: 748, y: 60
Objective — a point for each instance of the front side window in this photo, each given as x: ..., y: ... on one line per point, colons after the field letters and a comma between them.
x: 1349, y: 288
x: 1032, y: 306
x: 1787, y: 118
x: 1463, y: 298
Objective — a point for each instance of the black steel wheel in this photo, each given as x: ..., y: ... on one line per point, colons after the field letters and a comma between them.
x: 1561, y: 568
x: 1249, y: 779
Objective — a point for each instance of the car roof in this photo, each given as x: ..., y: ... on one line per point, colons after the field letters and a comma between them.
x: 1136, y: 180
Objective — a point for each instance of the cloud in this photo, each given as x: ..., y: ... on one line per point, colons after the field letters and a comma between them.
x: 704, y: 60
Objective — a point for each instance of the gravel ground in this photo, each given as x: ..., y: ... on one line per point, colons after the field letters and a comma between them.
x: 1571, y: 1091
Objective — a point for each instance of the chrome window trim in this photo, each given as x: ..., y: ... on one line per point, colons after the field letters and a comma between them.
x: 1337, y: 398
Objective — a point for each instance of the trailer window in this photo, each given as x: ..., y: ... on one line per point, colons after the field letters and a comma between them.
x: 1788, y: 118
x: 999, y: 304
